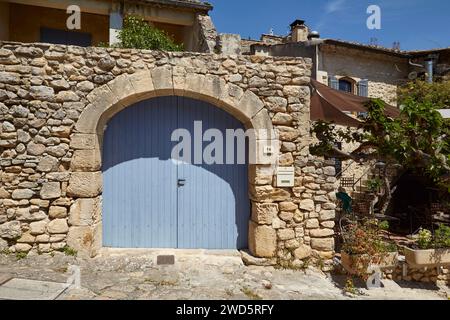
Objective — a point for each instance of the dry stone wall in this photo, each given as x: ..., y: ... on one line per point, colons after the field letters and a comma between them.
x: 51, y: 97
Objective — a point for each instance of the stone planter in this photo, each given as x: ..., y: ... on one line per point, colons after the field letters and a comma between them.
x: 427, y: 258
x: 383, y: 261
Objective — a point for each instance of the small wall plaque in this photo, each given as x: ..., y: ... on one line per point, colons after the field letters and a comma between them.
x: 165, y: 260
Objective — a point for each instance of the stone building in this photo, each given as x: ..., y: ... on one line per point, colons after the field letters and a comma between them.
x: 366, y: 70
x: 186, y: 21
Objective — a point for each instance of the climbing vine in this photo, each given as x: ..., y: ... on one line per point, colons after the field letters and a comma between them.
x: 418, y: 140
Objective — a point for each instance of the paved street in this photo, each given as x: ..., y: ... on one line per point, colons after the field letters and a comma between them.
x: 195, y: 275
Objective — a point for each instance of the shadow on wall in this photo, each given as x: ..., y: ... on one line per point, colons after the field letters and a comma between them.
x: 137, y: 156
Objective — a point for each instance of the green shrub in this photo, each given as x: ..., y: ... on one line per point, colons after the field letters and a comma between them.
x: 425, y: 239
x: 21, y: 255
x: 442, y: 237
x: 68, y: 251
x: 383, y: 225
x: 138, y: 34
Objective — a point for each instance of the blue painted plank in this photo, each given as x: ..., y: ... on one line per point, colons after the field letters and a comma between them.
x: 140, y: 180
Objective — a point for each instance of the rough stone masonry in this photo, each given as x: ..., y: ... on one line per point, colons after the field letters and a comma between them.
x: 55, y: 101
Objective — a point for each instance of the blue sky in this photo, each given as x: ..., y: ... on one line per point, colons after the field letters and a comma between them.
x: 416, y: 24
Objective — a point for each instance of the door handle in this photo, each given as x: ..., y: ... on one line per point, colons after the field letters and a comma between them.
x: 181, y: 182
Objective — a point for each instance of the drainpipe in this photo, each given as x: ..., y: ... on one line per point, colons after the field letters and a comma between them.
x: 429, y: 67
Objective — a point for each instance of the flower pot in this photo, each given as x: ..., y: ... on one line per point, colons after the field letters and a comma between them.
x: 427, y: 258
x: 383, y: 261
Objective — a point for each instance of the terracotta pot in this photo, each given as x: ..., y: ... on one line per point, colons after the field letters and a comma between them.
x: 427, y: 258
x: 384, y: 261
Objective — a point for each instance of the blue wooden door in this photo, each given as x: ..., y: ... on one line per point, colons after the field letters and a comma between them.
x: 144, y: 203
x: 213, y: 205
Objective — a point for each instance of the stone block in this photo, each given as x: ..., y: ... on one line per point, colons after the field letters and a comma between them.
x: 162, y: 79
x: 269, y: 194
x: 194, y: 83
x: 84, y: 212
x: 264, y: 213
x: 142, y: 82
x: 101, y: 98
x: 38, y: 228
x: 86, y: 160
x: 57, y: 226
x: 312, y: 224
x: 20, y: 194
x: 122, y: 88
x: 10, y: 230
x: 84, y: 141
x: 57, y: 212
x: 325, y: 215
x: 302, y: 252
x: 322, y: 244
x: 81, y: 239
x: 85, y: 184
x: 250, y: 105
x: 50, y: 190
x: 260, y: 174
x: 321, y: 233
x: 262, y: 240
x: 307, y: 205
x: 286, y: 234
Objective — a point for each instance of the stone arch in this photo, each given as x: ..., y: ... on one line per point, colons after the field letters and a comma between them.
x: 126, y: 90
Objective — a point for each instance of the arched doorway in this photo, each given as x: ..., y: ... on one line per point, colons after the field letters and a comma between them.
x: 152, y: 201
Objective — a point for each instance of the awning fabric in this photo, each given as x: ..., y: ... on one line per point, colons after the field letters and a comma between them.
x: 330, y: 105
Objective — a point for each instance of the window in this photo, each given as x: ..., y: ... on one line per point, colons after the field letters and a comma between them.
x: 345, y: 85
x: 65, y: 37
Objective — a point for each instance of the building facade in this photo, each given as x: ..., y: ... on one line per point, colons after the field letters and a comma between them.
x: 186, y: 22
x: 366, y: 70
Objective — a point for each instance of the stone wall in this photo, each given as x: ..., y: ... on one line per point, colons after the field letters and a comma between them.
x: 384, y: 72
x: 55, y: 101
x: 426, y: 275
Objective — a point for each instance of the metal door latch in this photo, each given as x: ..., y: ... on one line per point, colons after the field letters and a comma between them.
x: 181, y: 182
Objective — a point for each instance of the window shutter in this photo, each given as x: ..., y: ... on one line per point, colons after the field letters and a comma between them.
x: 333, y: 82
x: 363, y: 88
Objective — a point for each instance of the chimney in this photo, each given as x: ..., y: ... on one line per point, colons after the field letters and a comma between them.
x: 299, y: 31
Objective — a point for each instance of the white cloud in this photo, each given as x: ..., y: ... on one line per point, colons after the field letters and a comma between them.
x: 334, y: 6
x: 331, y: 6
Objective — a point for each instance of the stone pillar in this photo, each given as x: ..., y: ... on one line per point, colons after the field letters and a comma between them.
x: 115, y: 24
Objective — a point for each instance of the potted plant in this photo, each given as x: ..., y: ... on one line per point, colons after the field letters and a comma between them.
x: 430, y: 250
x: 364, y: 247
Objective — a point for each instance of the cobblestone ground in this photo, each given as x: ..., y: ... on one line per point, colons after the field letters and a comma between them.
x: 199, y: 275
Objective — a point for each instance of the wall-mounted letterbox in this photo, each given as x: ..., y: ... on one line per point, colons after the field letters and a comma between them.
x: 285, y: 177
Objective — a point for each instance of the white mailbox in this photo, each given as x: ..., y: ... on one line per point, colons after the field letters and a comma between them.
x: 285, y: 177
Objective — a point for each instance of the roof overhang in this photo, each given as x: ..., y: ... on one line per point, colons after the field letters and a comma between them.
x: 185, y: 4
